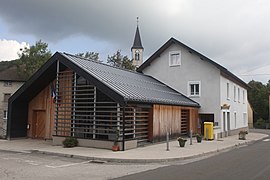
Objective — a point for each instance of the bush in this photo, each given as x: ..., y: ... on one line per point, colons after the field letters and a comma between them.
x: 260, y: 123
x: 70, y: 142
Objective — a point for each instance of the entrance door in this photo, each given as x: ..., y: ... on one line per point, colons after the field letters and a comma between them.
x: 226, y: 123
x: 38, y: 125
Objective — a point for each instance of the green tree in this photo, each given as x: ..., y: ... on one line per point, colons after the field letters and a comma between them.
x: 89, y: 55
x: 258, y: 97
x: 118, y: 60
x: 31, y: 59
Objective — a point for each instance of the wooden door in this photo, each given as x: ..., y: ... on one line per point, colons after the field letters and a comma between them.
x: 39, y: 121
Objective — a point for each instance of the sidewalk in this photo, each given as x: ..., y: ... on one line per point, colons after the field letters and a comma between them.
x: 151, y: 153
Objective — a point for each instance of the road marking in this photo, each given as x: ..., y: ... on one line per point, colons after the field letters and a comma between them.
x: 266, y: 140
x: 67, y: 165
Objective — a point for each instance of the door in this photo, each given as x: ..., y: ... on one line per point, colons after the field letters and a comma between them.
x: 228, y: 123
x: 38, y: 125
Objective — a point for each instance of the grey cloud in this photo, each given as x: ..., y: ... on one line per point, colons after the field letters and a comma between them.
x: 235, y: 33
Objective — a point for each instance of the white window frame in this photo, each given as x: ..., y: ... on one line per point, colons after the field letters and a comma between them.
x: 189, y: 88
x: 235, y: 119
x: 244, y: 98
x: 5, y: 113
x: 178, y: 62
x: 228, y: 91
x: 234, y: 93
x: 238, y: 95
x: 245, y: 118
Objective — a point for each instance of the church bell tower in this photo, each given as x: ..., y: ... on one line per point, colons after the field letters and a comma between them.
x: 137, y: 48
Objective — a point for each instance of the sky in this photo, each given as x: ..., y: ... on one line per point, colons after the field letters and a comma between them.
x: 233, y: 33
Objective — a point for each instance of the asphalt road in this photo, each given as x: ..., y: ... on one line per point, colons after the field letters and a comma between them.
x: 28, y: 166
x: 245, y: 163
x: 250, y: 162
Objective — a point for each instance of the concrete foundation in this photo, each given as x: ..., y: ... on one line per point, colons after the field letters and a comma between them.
x: 57, y: 140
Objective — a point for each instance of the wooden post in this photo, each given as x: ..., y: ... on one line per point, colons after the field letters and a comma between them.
x: 56, y: 98
x: 123, y: 134
x: 94, y: 117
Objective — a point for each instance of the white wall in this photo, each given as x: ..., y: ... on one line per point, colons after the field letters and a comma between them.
x: 238, y: 105
x: 192, y: 68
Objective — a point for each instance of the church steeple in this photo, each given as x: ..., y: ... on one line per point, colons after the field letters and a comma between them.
x: 137, y: 48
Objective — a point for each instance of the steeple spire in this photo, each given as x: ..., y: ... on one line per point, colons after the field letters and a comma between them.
x: 137, y: 44
x: 137, y: 48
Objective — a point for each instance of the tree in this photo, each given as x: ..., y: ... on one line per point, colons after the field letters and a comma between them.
x: 31, y: 59
x: 89, y: 55
x: 118, y: 60
x: 258, y: 97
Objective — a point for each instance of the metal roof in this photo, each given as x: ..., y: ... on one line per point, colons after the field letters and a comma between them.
x: 11, y: 74
x: 137, y: 44
x: 132, y: 86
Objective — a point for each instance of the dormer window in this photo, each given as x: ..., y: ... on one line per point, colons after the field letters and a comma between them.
x: 175, y: 58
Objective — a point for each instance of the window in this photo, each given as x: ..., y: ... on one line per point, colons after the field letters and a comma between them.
x: 7, y: 83
x: 194, y: 88
x: 234, y: 93
x: 244, y: 98
x: 235, y: 119
x: 245, y: 119
x: 137, y: 55
x: 238, y: 94
x: 175, y: 58
x: 6, y: 97
x: 228, y: 91
x: 5, y: 114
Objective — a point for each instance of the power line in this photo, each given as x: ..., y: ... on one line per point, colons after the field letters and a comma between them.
x: 254, y: 75
x: 258, y: 67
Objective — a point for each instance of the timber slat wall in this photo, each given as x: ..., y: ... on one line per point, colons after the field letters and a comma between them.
x: 85, y: 112
x: 173, y: 119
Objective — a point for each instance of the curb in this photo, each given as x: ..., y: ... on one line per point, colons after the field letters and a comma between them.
x: 115, y: 160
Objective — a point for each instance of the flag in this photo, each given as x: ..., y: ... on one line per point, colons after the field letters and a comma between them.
x: 53, y: 93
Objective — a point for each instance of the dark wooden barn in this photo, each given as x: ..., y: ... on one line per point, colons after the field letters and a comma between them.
x: 72, y: 96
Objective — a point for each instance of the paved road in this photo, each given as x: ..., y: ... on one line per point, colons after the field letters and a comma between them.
x: 27, y: 166
x: 244, y: 163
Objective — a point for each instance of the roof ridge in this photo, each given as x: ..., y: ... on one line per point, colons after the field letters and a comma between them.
x: 100, y: 62
x: 200, y: 55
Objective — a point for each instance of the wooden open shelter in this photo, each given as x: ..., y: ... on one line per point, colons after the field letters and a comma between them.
x: 75, y: 97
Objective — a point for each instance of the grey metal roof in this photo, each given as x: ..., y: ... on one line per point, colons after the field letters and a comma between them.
x: 132, y: 86
x: 137, y: 44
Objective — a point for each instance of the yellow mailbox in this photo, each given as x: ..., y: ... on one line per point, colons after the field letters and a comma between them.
x: 208, y: 130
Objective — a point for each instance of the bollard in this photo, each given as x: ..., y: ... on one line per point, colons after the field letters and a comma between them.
x: 167, y: 140
x: 190, y: 137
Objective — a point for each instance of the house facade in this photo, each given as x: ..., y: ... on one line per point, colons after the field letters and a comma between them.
x: 71, y: 96
x: 9, y: 83
x: 222, y: 95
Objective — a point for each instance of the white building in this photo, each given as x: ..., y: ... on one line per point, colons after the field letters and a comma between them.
x: 222, y: 95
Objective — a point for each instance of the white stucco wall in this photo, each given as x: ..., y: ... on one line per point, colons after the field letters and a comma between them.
x: 213, y: 86
x: 238, y: 104
x: 192, y: 68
